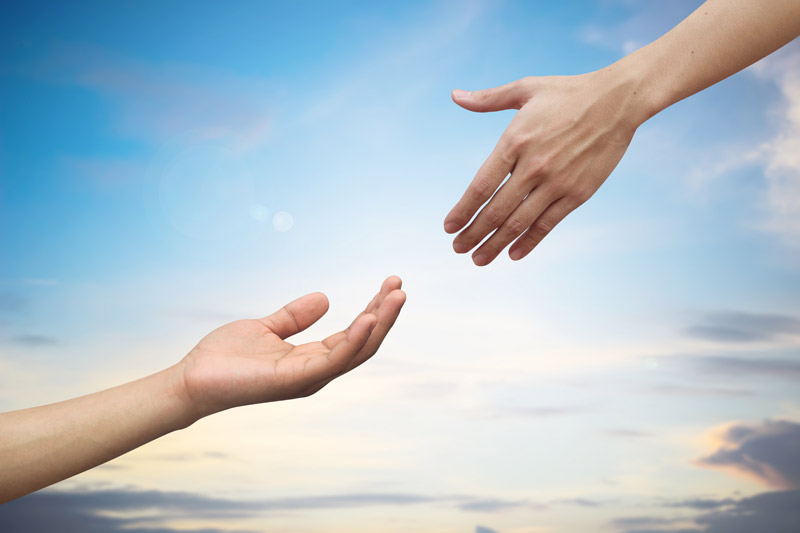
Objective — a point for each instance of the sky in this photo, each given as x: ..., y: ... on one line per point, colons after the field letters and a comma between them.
x: 167, y: 167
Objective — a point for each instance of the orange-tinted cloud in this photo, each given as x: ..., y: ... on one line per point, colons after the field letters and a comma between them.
x: 768, y: 452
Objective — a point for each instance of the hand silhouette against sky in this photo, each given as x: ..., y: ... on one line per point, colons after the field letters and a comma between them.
x: 244, y: 362
x: 249, y: 361
x: 571, y: 131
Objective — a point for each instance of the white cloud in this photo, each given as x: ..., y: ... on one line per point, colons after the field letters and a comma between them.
x: 782, y: 152
x: 778, y: 157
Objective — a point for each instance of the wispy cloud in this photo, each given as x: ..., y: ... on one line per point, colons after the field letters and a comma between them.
x: 782, y: 157
x: 115, y: 510
x: 667, y: 389
x: 491, y: 505
x: 580, y: 502
x: 702, y: 504
x: 93, y: 511
x: 785, y: 365
x: 543, y: 411
x: 777, y: 157
x: 638, y: 522
x: 776, y: 512
x: 626, y: 433
x: 34, y: 341
x: 738, y: 326
x: 768, y: 452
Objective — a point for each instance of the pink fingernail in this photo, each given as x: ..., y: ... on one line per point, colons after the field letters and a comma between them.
x: 451, y: 227
x: 458, y: 93
x: 515, y: 255
x: 480, y: 260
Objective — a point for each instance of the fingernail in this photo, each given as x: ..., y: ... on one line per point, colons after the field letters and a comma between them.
x: 460, y: 247
x: 451, y: 227
x: 480, y: 260
x: 515, y: 255
x: 458, y: 93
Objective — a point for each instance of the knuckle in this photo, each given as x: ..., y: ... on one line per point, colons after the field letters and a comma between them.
x: 543, y: 226
x: 581, y: 195
x: 539, y: 166
x: 529, y: 241
x: 484, y: 95
x: 560, y: 189
x: 480, y: 190
x: 493, y: 217
x: 515, y: 226
x: 508, y: 156
x: 529, y: 82
x: 516, y: 143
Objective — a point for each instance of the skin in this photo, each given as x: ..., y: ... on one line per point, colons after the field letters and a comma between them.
x: 571, y: 131
x: 244, y: 362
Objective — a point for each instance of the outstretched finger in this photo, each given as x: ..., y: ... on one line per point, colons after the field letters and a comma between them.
x: 518, y: 222
x: 340, y: 356
x: 543, y: 225
x: 497, y: 212
x: 509, y: 96
x: 386, y: 317
x: 390, y: 284
x: 298, y: 315
x: 489, y: 177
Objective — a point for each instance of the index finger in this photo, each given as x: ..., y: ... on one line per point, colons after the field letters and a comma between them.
x: 386, y: 315
x: 489, y: 177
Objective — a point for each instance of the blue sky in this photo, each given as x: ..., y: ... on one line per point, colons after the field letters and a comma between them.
x: 169, y: 167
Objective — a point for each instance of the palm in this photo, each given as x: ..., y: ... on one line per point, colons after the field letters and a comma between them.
x: 248, y: 361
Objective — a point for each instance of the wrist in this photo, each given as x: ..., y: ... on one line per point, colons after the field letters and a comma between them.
x: 641, y: 90
x: 184, y: 410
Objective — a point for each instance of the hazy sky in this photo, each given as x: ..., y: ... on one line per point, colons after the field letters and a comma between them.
x: 166, y: 167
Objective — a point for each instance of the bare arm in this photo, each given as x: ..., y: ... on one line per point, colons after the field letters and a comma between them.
x: 718, y: 40
x: 43, y: 445
x: 241, y: 363
x: 571, y: 131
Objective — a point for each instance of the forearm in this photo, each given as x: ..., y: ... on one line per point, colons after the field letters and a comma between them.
x: 719, y: 39
x: 44, y: 445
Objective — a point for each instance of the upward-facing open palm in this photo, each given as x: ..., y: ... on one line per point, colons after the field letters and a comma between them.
x: 250, y: 361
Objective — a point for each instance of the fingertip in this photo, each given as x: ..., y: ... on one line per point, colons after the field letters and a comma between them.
x: 322, y: 301
x: 451, y: 227
x: 398, y: 298
x: 460, y: 94
x: 460, y: 248
x: 315, y: 300
x: 516, y: 254
x: 481, y: 259
x: 401, y: 296
x: 393, y: 282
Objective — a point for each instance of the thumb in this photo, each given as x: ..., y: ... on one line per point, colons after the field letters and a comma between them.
x: 509, y: 96
x: 298, y: 315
